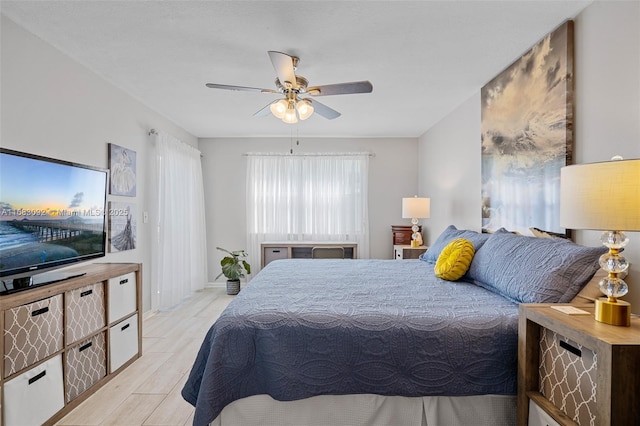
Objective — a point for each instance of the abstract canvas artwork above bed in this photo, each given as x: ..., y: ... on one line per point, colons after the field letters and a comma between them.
x: 527, y: 136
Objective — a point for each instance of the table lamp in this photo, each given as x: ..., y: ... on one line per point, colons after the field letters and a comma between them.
x: 415, y: 208
x: 605, y: 196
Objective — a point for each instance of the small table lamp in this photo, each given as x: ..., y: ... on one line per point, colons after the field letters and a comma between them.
x: 605, y: 196
x: 415, y: 208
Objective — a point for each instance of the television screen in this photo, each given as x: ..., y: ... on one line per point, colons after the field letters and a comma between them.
x: 52, y: 213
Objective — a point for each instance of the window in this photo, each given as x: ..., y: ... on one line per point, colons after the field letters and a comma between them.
x: 320, y: 197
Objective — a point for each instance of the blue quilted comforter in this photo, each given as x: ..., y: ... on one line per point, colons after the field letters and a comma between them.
x: 389, y: 327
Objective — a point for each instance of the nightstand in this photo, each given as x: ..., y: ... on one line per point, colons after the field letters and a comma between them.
x: 407, y: 252
x: 573, y: 369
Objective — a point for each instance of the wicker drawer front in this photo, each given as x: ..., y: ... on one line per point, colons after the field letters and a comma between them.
x: 32, y: 332
x: 84, y: 312
x: 86, y: 364
x: 568, y: 376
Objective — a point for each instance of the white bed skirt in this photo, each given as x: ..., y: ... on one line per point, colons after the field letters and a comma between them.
x: 371, y: 410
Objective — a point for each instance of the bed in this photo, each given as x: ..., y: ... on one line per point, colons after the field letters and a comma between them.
x: 378, y: 341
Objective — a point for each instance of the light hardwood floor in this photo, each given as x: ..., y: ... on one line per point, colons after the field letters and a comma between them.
x: 148, y: 391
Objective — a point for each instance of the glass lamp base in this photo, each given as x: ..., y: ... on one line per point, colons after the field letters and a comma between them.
x: 614, y: 313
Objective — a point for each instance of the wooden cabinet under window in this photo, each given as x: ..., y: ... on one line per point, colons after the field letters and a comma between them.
x: 63, y: 341
x: 301, y: 250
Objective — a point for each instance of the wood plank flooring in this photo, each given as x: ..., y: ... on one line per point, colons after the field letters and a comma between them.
x: 148, y: 391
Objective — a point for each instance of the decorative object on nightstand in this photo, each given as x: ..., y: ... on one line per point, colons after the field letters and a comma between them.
x: 605, y: 196
x: 415, y: 208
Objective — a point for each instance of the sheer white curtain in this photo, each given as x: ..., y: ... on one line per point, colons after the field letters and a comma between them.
x: 312, y: 197
x: 180, y: 250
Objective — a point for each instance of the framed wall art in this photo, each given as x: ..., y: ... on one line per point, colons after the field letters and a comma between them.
x: 122, y: 226
x: 527, y: 136
x: 122, y: 166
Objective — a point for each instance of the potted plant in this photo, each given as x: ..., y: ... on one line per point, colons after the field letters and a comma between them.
x: 234, y: 268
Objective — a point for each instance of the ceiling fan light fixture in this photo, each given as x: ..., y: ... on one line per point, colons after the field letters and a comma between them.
x: 279, y: 108
x: 290, y: 109
x: 305, y: 108
x: 290, y: 116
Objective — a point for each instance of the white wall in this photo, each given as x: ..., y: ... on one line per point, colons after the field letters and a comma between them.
x: 393, y: 174
x: 450, y: 170
x: 55, y: 107
x: 607, y: 122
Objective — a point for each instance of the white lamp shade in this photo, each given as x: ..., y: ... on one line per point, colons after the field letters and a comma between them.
x: 601, y: 196
x: 416, y: 208
x: 278, y: 108
x: 290, y: 116
x: 305, y: 109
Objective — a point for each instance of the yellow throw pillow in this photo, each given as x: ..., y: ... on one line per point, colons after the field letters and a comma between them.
x: 455, y: 259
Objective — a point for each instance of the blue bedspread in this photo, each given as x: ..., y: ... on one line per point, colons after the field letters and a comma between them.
x: 389, y: 327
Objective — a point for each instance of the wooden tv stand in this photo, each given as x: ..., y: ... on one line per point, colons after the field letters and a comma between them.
x: 63, y: 341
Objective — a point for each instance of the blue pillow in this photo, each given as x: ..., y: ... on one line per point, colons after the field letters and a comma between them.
x: 449, y: 234
x: 533, y: 270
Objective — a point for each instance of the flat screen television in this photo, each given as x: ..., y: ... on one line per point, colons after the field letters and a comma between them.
x: 52, y: 214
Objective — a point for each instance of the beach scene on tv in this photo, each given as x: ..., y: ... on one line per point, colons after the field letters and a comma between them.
x: 49, y: 212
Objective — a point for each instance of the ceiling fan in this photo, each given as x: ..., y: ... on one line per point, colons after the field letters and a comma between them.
x: 293, y: 107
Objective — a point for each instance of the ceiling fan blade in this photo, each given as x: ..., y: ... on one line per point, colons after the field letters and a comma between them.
x: 264, y: 111
x: 240, y: 88
x: 323, y: 110
x: 283, y: 64
x: 341, y: 88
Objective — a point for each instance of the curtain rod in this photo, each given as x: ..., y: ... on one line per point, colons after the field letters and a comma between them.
x: 155, y: 132
x: 310, y: 154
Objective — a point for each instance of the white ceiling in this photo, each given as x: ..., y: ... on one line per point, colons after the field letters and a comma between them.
x: 423, y: 58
